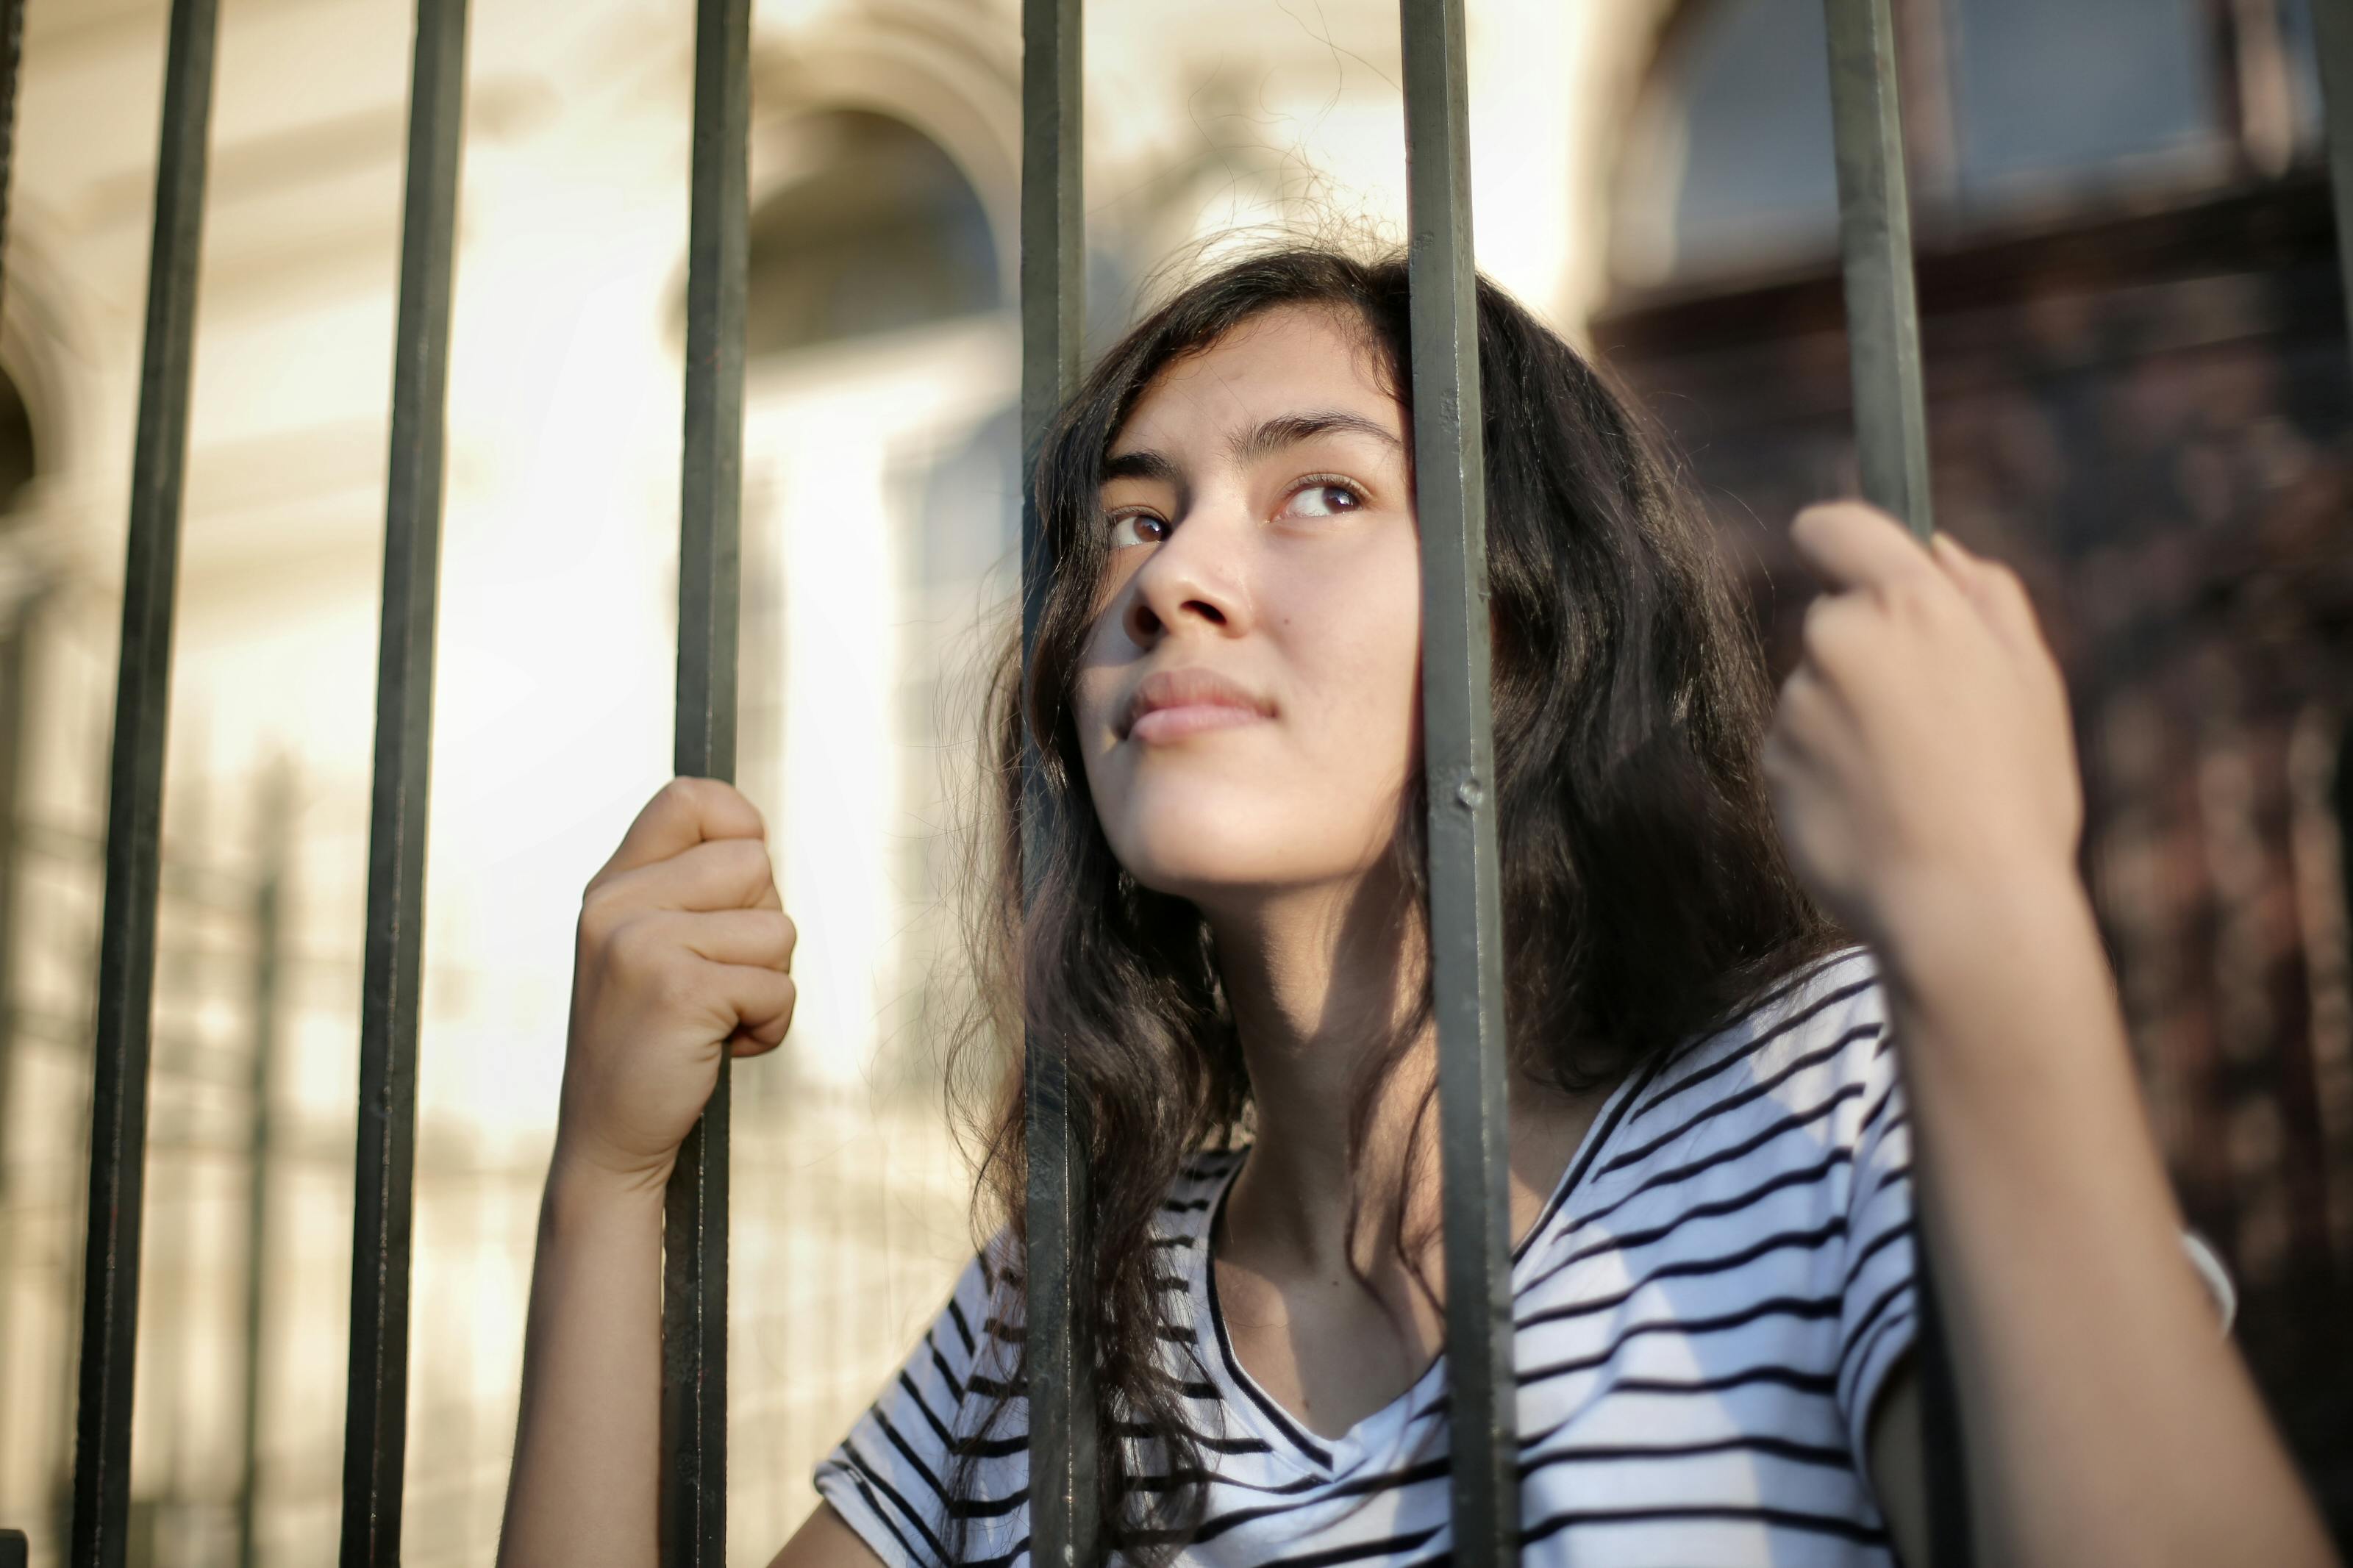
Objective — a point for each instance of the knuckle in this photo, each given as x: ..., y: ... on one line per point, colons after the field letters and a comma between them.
x: 600, y: 909
x: 685, y: 797
x: 1825, y: 627
x: 1912, y: 600
x: 747, y: 859
x: 634, y: 950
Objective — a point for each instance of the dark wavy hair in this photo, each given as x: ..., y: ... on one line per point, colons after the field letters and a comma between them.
x: 1645, y: 894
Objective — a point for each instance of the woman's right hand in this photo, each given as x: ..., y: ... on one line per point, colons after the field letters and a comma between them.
x: 684, y: 953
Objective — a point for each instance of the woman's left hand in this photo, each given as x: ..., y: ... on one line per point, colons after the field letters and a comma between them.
x: 1921, y: 758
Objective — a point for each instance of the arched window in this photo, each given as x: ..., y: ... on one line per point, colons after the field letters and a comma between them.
x: 2008, y: 104
x: 882, y: 232
x: 1730, y: 156
x: 2049, y: 89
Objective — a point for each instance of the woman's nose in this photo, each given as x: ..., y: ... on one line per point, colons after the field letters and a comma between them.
x: 1188, y: 582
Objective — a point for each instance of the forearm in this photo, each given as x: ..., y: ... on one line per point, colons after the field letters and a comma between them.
x: 2105, y: 1419
x: 583, y: 1487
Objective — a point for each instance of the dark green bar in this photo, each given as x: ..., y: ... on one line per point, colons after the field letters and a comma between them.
x: 268, y: 936
x: 12, y: 57
x: 709, y: 556
x: 1063, y: 1523
x: 1891, y: 427
x: 126, y: 954
x: 375, y: 1414
x: 2333, y: 28
x: 1466, y: 918
x: 1883, y: 322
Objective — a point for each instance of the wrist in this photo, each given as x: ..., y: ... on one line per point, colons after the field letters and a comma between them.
x: 580, y: 1184
x: 1995, y: 925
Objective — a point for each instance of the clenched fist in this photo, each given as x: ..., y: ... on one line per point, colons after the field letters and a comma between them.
x: 1921, y: 758
x: 683, y: 952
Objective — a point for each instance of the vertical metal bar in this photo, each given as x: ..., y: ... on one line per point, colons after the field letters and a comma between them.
x: 126, y: 961
x: 1883, y: 322
x: 2333, y: 38
x: 15, y: 655
x: 268, y: 934
x: 12, y: 56
x: 1065, y: 1526
x: 710, y: 609
x: 375, y: 1421
x: 1891, y: 426
x: 12, y: 655
x: 1466, y: 918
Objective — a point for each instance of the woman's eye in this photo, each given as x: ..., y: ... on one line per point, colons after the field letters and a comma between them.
x: 1137, y: 528
x: 1324, y: 500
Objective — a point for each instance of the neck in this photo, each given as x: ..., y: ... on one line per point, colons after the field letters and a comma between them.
x: 1320, y: 982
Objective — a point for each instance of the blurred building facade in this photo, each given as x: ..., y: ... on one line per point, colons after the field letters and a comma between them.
x: 2139, y: 388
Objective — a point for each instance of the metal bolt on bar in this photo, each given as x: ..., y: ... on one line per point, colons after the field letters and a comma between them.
x: 375, y: 1414
x: 693, y: 1487
x: 1891, y: 427
x: 1466, y: 918
x: 1064, y: 1529
x: 126, y: 965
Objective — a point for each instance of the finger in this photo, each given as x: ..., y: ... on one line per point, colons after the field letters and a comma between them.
x: 762, y: 1000
x: 682, y: 812
x: 1996, y: 592
x: 762, y: 939
x: 717, y: 874
x: 1848, y: 544
x: 1799, y: 715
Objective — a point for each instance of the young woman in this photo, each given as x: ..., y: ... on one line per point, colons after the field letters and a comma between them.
x: 1778, y: 978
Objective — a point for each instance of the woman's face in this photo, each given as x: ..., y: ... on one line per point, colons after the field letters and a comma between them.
x: 1248, y: 697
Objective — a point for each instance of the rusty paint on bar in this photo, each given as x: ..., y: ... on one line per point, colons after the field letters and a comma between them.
x: 1465, y: 899
x: 693, y: 1487
x: 1064, y: 1522
x: 126, y: 963
x: 1891, y: 427
x: 375, y: 1419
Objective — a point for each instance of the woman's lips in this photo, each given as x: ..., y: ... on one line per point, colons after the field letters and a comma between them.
x: 1164, y: 725
x: 1170, y: 704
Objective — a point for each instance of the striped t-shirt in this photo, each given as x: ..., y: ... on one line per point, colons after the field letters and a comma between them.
x: 1706, y: 1307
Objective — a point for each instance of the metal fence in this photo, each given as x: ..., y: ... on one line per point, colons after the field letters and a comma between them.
x: 1465, y: 907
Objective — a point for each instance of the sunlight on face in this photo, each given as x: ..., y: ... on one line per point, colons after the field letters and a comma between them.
x: 1247, y: 701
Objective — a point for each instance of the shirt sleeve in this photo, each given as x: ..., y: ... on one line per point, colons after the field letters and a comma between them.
x: 1878, y: 1317
x: 890, y: 1477
x: 1878, y: 1311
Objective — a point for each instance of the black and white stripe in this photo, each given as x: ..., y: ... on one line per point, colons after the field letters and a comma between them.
x: 1706, y: 1309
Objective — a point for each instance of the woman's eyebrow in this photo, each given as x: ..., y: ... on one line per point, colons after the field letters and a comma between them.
x: 1143, y: 465
x: 1290, y: 429
x: 1247, y: 445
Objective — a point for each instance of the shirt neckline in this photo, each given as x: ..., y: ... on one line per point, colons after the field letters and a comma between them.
x: 1381, y: 1431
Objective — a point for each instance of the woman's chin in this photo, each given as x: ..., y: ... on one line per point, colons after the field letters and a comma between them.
x: 1216, y: 867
